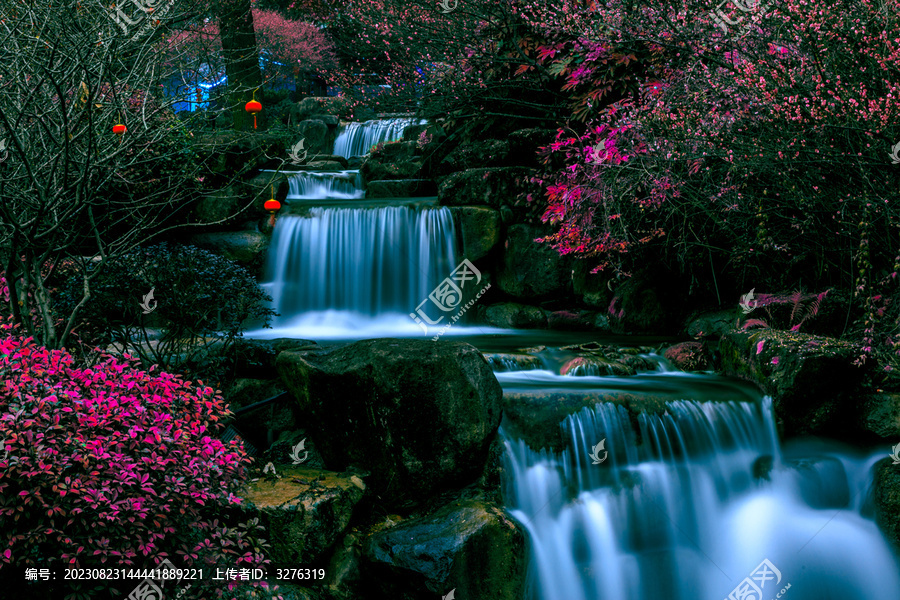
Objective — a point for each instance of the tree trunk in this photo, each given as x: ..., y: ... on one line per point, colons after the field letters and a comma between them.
x: 241, y: 60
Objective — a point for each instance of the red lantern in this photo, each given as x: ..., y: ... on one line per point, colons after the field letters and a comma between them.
x: 272, y: 206
x: 119, y: 129
x: 253, y: 107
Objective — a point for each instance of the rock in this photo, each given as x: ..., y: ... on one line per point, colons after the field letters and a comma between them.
x: 343, y: 575
x: 576, y: 320
x: 880, y: 414
x: 345, y: 164
x: 477, y: 154
x: 503, y: 362
x: 510, y: 315
x: 303, y: 520
x: 592, y: 289
x: 330, y: 120
x: 418, y: 415
x: 645, y: 303
x: 531, y: 270
x: 479, y: 229
x: 396, y: 150
x: 246, y: 248
x: 316, y: 138
x: 821, y: 481
x: 400, y: 188
x: 886, y: 498
x: 491, y: 186
x: 264, y: 424
x: 713, y: 324
x: 374, y: 168
x: 221, y: 207
x: 324, y: 165
x: 470, y: 546
x: 412, y: 133
x: 260, y: 187
x: 256, y: 358
x: 812, y: 379
x: 689, y: 356
x: 595, y: 366
x: 317, y: 105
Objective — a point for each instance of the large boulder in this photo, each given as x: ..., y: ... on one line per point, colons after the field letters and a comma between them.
x: 886, y: 499
x: 267, y: 422
x: 813, y: 381
x: 471, y: 546
x: 593, y: 289
x: 318, y: 105
x: 316, y: 137
x: 511, y: 315
x: 221, y: 207
x: 488, y: 186
x: 712, y: 324
x: 246, y: 248
x: 880, y: 415
x: 481, y: 153
x: 479, y: 229
x: 256, y: 358
x: 418, y: 415
x: 529, y: 269
x: 379, y: 168
x: 400, y: 188
x: 689, y: 356
x: 646, y: 303
x: 303, y: 511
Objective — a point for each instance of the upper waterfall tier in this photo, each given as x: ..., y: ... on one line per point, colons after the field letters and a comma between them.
x: 356, y: 139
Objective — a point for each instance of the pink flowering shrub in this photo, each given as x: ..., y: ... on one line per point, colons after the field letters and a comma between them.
x: 110, y: 465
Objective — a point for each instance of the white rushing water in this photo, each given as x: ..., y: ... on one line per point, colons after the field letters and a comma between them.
x: 676, y: 511
x: 356, y: 139
x: 316, y: 185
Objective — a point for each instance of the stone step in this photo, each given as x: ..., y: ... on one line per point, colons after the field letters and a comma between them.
x: 401, y: 188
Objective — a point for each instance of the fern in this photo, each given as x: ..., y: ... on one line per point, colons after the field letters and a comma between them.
x: 754, y: 324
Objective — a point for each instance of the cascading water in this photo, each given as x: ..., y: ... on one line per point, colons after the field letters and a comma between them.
x: 342, y: 269
x: 675, y: 506
x: 356, y: 139
x: 316, y: 185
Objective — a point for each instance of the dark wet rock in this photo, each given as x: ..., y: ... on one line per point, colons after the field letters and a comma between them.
x: 324, y: 165
x: 880, y: 414
x: 379, y: 168
x: 318, y: 139
x: 256, y: 358
x: 275, y: 417
x: 531, y: 270
x: 487, y: 186
x: 418, y: 415
x: 689, y: 356
x: 330, y: 120
x: 479, y: 229
x: 343, y: 577
x: 886, y: 499
x: 592, y: 289
x: 595, y: 366
x: 511, y: 315
x: 304, y: 511
x: 812, y: 379
x: 400, y: 188
x: 504, y: 362
x: 222, y: 207
x: 713, y: 324
x: 246, y: 248
x: 644, y: 303
x: 477, y: 154
x: 821, y: 480
x: 471, y: 546
x: 397, y: 150
x: 577, y: 320
x: 317, y: 105
x: 312, y: 158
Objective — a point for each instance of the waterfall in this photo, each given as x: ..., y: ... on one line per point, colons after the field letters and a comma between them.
x: 371, y: 261
x: 356, y: 139
x: 315, y: 185
x: 673, y: 508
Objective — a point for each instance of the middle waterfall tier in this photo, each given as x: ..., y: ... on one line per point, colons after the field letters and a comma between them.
x: 365, y: 260
x: 318, y: 185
